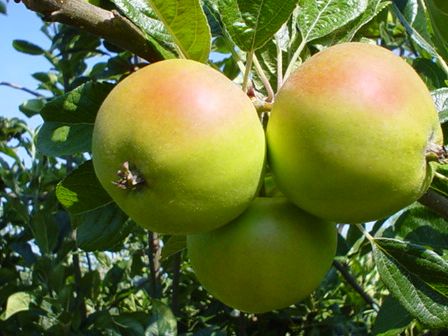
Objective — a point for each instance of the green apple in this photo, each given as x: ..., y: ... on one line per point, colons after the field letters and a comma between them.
x: 349, y: 134
x: 179, y: 147
x: 270, y: 257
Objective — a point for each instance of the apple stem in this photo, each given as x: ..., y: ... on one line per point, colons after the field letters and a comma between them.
x: 249, y: 59
x: 129, y: 179
x: 279, y: 60
x: 292, y: 64
x: 436, y: 152
x: 261, y: 106
x: 264, y: 79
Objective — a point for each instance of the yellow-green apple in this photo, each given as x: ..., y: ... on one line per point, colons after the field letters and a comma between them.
x: 350, y: 132
x: 270, y: 257
x: 179, y: 147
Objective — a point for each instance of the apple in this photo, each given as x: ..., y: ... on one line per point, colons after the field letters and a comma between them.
x: 270, y: 257
x: 349, y: 134
x: 179, y: 147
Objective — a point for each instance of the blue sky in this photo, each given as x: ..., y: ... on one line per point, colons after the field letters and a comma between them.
x: 16, y: 67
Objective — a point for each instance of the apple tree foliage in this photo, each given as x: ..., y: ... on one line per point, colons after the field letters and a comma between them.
x: 72, y: 263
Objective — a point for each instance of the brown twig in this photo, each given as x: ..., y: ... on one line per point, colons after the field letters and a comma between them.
x: 343, y: 269
x: 242, y: 324
x: 175, y: 285
x: 18, y: 87
x: 154, y: 254
x: 78, y: 278
x: 110, y: 25
x: 436, y: 202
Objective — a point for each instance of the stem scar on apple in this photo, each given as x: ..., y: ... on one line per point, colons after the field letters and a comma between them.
x: 129, y: 179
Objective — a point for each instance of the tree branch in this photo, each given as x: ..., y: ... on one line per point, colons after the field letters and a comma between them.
x: 154, y: 253
x: 175, y: 285
x: 343, y: 269
x: 436, y: 202
x: 18, y: 87
x: 81, y: 305
x: 110, y: 25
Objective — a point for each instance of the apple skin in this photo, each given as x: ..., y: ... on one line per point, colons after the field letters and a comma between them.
x: 348, y: 133
x: 194, y: 138
x: 270, y: 257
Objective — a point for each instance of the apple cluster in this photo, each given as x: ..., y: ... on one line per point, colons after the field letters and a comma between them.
x: 180, y: 148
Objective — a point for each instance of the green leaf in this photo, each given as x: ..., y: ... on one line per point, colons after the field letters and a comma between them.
x: 130, y: 323
x: 438, y: 14
x: 392, y: 318
x: 251, y: 23
x: 91, y: 284
x: 69, y: 120
x: 58, y: 139
x: 102, y: 229
x: 27, y: 47
x: 347, y: 33
x: 11, y: 128
x: 212, y: 13
x: 48, y: 81
x: 2, y: 7
x: 173, y: 245
x: 32, y: 107
x: 45, y: 231
x: 81, y: 191
x: 439, y: 184
x: 440, y: 98
x: 17, y: 302
x: 288, y: 39
x: 415, y: 15
x: 416, y: 37
x: 416, y: 277
x: 373, y: 9
x: 78, y: 106
x: 422, y: 226
x: 163, y: 321
x: 430, y: 72
x: 322, y: 17
x: 46, y: 77
x: 187, y: 24
x: 142, y: 15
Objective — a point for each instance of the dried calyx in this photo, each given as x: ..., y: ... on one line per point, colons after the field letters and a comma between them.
x: 436, y: 152
x: 129, y: 178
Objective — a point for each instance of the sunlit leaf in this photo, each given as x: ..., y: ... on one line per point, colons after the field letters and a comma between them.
x: 187, y: 25
x: 17, y: 302
x: 440, y: 98
x: 81, y: 191
x: 163, y: 321
x: 32, y: 107
x: 414, y: 34
x: 438, y: 13
x: 139, y: 12
x: 416, y: 277
x: 319, y: 18
x: 251, y: 23
x: 77, y: 106
x: 58, y: 139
